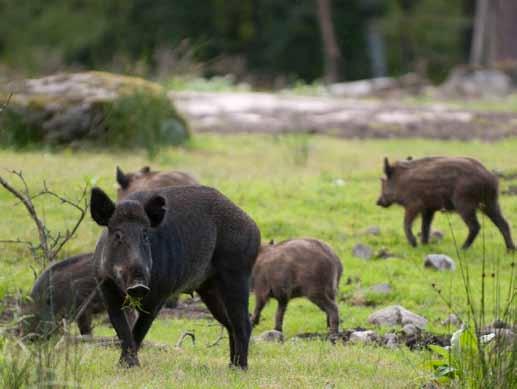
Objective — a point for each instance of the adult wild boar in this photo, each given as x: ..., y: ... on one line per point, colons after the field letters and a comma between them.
x: 64, y: 288
x: 424, y: 186
x: 147, y: 179
x: 297, y: 268
x: 164, y: 242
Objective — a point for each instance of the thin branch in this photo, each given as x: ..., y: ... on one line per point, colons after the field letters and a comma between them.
x: 218, y: 340
x: 185, y: 335
x: 25, y: 199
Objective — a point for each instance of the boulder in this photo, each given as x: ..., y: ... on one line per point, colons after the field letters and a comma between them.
x: 439, y: 262
x: 69, y: 108
x: 452, y: 320
x: 476, y: 83
x: 362, y: 251
x: 391, y: 340
x: 396, y: 315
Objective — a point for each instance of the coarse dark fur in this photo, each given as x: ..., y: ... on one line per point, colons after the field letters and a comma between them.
x: 146, y: 179
x: 52, y: 298
x: 424, y: 186
x: 297, y: 268
x: 61, y: 292
x: 164, y: 242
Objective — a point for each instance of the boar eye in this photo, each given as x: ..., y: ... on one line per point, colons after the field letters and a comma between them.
x: 146, y: 236
x: 117, y: 236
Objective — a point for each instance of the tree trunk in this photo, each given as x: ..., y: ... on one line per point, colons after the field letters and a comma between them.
x: 330, y: 48
x: 495, y: 31
x: 505, y: 30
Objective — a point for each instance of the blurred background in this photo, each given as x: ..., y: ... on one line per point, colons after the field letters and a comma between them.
x: 267, y: 44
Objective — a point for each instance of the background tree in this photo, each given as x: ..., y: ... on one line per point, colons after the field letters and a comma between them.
x: 331, y: 50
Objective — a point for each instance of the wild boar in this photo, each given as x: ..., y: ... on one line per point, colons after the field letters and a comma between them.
x: 426, y: 185
x: 297, y: 268
x: 64, y: 290
x: 51, y: 295
x: 173, y: 240
x: 146, y: 179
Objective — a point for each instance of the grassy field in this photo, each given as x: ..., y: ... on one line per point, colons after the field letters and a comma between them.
x: 293, y: 186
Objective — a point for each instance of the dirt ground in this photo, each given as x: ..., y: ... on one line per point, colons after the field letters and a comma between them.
x: 388, y: 118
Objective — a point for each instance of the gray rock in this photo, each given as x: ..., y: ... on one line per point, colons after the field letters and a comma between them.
x: 372, y: 230
x: 380, y: 289
x: 362, y: 251
x: 396, y: 315
x: 452, y: 320
x: 439, y: 262
x: 391, y: 340
x: 436, y: 236
x: 367, y: 336
x: 363, y: 88
x: 410, y: 330
x: 464, y: 82
x: 271, y: 336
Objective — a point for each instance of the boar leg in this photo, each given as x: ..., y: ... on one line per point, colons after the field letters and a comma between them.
x: 260, y: 303
x: 211, y: 297
x: 234, y: 287
x: 469, y: 217
x: 114, y: 301
x: 143, y: 323
x: 493, y: 212
x: 409, y: 218
x: 427, y: 219
x: 280, y: 313
x: 327, y: 305
x: 84, y: 322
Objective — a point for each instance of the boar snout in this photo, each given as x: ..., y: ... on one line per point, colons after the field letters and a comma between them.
x: 137, y: 290
x: 382, y: 202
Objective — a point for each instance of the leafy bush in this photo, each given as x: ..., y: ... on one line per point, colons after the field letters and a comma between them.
x: 146, y: 120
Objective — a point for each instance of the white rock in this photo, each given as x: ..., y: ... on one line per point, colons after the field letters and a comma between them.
x: 396, y: 315
x: 439, y: 262
x: 270, y: 336
x: 362, y: 336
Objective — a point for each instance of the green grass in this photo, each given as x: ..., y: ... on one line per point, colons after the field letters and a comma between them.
x: 292, y: 186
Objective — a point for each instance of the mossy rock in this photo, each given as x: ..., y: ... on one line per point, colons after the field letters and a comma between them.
x: 98, y: 107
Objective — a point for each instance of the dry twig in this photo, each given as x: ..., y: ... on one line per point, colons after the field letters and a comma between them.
x: 184, y: 336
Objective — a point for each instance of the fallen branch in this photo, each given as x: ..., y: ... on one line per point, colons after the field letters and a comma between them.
x: 218, y: 340
x: 185, y: 335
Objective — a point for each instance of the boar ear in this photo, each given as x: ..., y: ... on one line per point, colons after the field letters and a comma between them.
x: 145, y: 170
x: 388, y: 169
x: 155, y: 210
x: 101, y: 207
x: 122, y: 179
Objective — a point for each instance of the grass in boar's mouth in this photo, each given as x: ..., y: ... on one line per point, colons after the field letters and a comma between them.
x: 133, y: 303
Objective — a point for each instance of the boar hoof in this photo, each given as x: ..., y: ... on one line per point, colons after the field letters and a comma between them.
x: 128, y: 361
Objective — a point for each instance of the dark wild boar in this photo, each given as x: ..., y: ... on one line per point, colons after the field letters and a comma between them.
x: 146, y: 179
x: 52, y: 296
x: 164, y: 242
x: 424, y: 186
x: 61, y: 292
x: 297, y: 268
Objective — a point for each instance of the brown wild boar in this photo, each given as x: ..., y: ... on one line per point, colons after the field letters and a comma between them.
x: 146, y: 179
x: 297, y: 268
x: 62, y: 289
x: 426, y: 185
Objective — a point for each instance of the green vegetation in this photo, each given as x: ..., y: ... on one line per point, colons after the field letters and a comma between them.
x: 293, y: 186
x: 267, y: 41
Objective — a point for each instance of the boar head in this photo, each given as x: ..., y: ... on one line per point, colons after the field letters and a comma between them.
x: 388, y: 186
x: 125, y: 252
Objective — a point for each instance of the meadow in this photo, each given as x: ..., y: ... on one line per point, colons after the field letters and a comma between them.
x: 293, y: 186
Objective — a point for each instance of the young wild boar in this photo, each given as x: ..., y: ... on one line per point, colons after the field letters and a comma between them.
x: 424, y: 186
x: 52, y: 297
x: 60, y: 292
x: 146, y: 179
x: 297, y: 268
x: 173, y: 240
